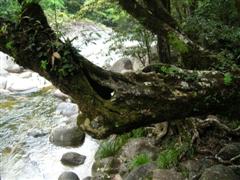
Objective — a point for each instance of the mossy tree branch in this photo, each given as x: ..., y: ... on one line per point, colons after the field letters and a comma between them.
x: 111, y: 102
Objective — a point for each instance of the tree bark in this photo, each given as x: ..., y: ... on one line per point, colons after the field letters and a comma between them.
x: 237, y: 5
x: 111, y: 102
x: 162, y: 40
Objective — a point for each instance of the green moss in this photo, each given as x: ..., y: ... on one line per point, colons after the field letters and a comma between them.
x: 139, y: 160
x: 8, y: 104
x: 43, y: 91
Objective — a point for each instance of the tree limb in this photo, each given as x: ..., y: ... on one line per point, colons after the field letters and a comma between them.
x: 111, y: 102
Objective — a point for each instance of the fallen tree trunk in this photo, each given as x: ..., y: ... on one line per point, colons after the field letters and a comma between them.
x: 111, y: 102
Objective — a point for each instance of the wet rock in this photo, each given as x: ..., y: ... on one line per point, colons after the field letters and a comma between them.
x: 73, y: 159
x: 67, y: 109
x: 67, y: 136
x: 229, y: 151
x: 142, y: 172
x: 68, y: 176
x: 217, y: 172
x: 166, y: 174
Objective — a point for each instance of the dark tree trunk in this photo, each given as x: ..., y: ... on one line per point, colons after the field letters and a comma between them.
x: 111, y: 102
x: 237, y: 4
x: 163, y: 48
x: 154, y: 17
x: 193, y: 7
x: 162, y: 39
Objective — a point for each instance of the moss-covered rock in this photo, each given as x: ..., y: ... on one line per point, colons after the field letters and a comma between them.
x: 219, y: 172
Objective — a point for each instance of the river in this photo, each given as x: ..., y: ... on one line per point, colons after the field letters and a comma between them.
x: 28, y: 113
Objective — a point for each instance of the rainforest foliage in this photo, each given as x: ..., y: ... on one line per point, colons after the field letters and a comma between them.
x: 207, y: 22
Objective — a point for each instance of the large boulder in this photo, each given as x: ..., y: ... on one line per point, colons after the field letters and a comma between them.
x: 122, y: 65
x: 218, y: 172
x: 68, y: 175
x: 72, y: 159
x: 138, y: 146
x: 133, y: 148
x: 67, y: 136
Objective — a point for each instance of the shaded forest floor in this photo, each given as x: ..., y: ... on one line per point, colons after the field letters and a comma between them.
x: 181, y: 150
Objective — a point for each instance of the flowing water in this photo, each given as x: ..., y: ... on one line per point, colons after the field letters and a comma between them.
x: 26, y: 120
x: 26, y: 153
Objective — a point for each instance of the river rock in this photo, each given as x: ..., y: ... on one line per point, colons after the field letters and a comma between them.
x: 122, y: 65
x: 72, y: 159
x: 68, y: 175
x: 141, y: 172
x: 218, y: 172
x: 166, y: 174
x: 67, y: 109
x: 67, y: 136
x: 229, y: 151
